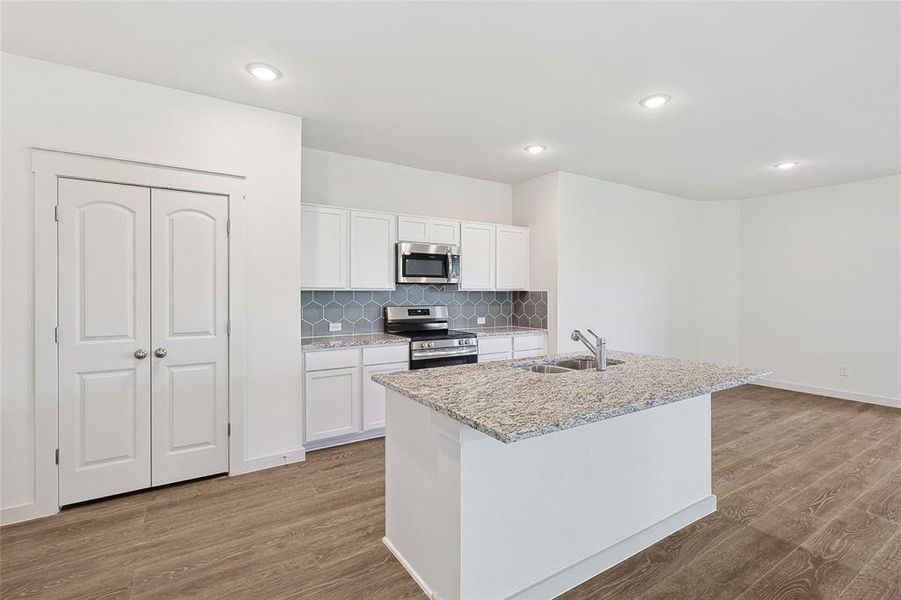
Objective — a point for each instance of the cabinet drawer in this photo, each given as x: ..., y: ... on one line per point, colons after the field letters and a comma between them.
x: 380, y: 355
x: 491, y: 345
x: 332, y: 359
x: 495, y: 356
x: 526, y: 353
x: 528, y: 342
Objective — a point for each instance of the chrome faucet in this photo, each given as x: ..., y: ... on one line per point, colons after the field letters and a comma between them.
x: 599, y: 348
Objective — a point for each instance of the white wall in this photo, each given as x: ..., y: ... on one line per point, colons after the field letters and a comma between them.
x: 52, y: 106
x: 635, y: 265
x: 651, y: 272
x: 342, y: 180
x: 536, y: 205
x: 820, y: 276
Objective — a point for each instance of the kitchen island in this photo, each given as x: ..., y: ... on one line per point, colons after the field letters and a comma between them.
x: 502, y: 482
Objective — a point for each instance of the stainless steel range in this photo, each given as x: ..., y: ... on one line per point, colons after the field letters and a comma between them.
x: 432, y: 344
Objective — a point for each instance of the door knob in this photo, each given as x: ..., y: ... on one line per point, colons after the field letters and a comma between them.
x: 140, y: 354
x: 160, y: 352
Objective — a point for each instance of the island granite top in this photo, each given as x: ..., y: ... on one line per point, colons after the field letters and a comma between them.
x: 511, y: 404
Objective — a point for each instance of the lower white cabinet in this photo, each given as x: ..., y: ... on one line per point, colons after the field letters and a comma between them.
x: 374, y: 395
x: 506, y: 347
x: 493, y: 356
x: 342, y: 403
x: 332, y: 403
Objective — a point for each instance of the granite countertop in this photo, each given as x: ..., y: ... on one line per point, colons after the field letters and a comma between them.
x: 512, y: 404
x: 501, y: 331
x: 331, y: 342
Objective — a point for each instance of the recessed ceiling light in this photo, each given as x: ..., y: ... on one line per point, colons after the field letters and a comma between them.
x: 535, y: 148
x: 785, y: 166
x: 656, y: 101
x: 264, y: 72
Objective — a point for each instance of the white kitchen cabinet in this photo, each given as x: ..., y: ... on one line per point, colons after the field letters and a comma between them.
x: 511, y: 346
x: 374, y: 395
x: 512, y: 270
x: 493, y: 356
x: 342, y: 403
x: 428, y: 231
x: 332, y: 400
x: 372, y: 239
x: 324, y: 247
x: 477, y: 241
x: 413, y: 229
x: 444, y: 232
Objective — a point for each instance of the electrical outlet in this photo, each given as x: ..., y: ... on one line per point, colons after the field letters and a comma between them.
x: 480, y: 321
x: 844, y: 370
x: 334, y: 326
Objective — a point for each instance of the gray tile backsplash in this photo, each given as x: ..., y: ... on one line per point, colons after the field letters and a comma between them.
x: 361, y: 312
x: 530, y: 309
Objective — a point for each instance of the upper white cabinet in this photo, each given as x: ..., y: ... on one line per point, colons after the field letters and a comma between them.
x: 444, y: 232
x: 347, y: 249
x: 324, y: 247
x: 372, y: 239
x: 512, y: 258
x: 413, y: 229
x: 428, y: 231
x: 477, y: 241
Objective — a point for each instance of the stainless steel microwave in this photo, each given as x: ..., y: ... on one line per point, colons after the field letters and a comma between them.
x: 427, y: 263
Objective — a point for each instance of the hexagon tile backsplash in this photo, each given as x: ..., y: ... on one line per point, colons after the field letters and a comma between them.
x: 361, y: 312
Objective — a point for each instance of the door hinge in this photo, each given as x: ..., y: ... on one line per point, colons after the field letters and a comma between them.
x: 56, y: 334
x: 56, y: 456
x: 228, y: 227
x: 228, y: 328
x: 56, y: 212
x: 229, y: 430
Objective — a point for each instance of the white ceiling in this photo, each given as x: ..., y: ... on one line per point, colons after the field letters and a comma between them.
x: 462, y: 87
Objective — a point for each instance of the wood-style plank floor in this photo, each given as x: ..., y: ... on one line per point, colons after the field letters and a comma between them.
x: 809, y: 493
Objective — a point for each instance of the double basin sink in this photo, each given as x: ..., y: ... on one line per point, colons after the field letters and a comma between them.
x: 569, y: 365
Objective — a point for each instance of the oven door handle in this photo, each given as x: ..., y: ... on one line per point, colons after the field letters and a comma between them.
x: 425, y: 354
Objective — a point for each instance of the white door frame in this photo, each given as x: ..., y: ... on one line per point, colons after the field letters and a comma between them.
x: 47, y: 166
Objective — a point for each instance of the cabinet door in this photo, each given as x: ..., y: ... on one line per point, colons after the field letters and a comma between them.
x: 324, y: 249
x: 444, y: 232
x: 412, y: 229
x: 332, y: 400
x: 372, y: 239
x: 477, y: 249
x: 512, y: 258
x: 495, y: 356
x: 374, y: 395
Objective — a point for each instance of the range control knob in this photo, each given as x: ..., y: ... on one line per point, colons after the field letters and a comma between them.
x: 430, y: 344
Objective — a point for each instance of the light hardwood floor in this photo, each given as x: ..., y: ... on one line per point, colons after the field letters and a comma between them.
x: 809, y: 507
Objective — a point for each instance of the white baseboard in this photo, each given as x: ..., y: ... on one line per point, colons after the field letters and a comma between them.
x: 409, y: 569
x: 267, y: 462
x: 583, y: 570
x: 25, y: 512
x: 841, y: 394
x: 345, y: 439
x: 579, y: 572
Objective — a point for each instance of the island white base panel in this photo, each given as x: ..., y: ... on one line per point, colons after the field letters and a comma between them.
x: 470, y: 517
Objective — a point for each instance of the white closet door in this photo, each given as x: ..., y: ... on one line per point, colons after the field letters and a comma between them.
x: 190, y: 314
x: 104, y: 320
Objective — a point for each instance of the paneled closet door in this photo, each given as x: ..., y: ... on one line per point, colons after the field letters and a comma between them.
x: 189, y: 285
x: 104, y: 339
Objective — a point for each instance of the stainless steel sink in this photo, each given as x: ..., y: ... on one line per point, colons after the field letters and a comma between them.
x: 549, y: 369
x: 581, y: 364
x: 568, y: 365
